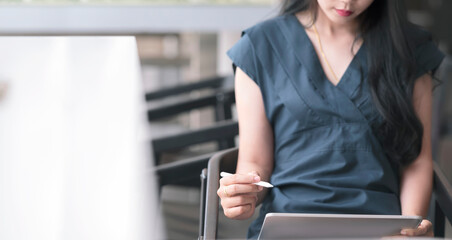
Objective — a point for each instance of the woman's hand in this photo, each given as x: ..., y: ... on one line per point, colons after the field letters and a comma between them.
x: 424, y: 229
x: 239, y: 195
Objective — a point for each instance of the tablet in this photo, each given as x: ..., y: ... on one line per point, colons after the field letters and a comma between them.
x: 300, y: 225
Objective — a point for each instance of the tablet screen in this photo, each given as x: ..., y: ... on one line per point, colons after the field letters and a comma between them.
x: 299, y: 225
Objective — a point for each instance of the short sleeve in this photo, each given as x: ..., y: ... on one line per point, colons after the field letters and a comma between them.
x: 243, y: 55
x: 428, y: 58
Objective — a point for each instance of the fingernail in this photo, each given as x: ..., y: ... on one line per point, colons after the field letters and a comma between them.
x: 260, y: 188
x: 403, y: 232
x: 257, y: 178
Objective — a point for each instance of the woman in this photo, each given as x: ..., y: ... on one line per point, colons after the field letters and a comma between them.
x: 334, y: 106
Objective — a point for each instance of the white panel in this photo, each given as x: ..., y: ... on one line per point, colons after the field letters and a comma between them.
x: 73, y: 162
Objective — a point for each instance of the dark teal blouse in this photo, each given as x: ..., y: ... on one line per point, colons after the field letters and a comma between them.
x: 326, y: 156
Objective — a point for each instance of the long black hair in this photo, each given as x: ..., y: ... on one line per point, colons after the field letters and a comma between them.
x: 385, y: 29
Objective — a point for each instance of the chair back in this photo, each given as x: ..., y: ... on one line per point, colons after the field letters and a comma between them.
x: 222, y: 161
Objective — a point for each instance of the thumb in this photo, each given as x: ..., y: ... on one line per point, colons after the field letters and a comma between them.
x: 255, y: 173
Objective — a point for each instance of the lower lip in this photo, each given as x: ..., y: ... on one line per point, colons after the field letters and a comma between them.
x: 344, y: 13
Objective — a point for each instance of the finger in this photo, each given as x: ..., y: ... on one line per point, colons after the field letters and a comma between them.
x: 414, y: 232
x: 422, y: 229
x: 236, y: 189
x: 254, y: 173
x: 239, y: 201
x: 222, y: 193
x: 429, y: 228
x: 239, y: 178
x: 237, y: 211
x: 408, y: 232
x: 427, y: 224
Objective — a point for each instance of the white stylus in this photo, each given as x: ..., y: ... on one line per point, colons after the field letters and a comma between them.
x: 261, y: 183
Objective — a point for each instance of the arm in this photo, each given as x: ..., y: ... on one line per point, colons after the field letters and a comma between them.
x: 256, y: 134
x: 238, y: 196
x: 416, y: 179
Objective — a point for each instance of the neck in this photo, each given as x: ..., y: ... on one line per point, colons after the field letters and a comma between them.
x: 333, y: 29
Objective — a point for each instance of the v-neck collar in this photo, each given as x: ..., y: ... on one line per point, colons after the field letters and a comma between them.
x: 306, y: 54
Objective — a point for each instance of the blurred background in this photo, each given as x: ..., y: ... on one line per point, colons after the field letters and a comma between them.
x: 187, y: 85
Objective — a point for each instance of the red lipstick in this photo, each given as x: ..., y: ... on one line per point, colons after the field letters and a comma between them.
x: 344, y: 13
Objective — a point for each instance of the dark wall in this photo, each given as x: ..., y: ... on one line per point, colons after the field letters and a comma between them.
x: 436, y: 16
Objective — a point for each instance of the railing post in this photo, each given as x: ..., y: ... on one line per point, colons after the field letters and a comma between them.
x: 202, y: 209
x: 438, y: 228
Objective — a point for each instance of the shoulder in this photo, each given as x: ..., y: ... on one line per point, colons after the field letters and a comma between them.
x: 418, y: 35
x: 267, y: 37
x: 264, y: 28
x: 427, y: 55
x: 260, y: 46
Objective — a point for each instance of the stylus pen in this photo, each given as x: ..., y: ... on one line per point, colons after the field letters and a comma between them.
x: 261, y: 183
